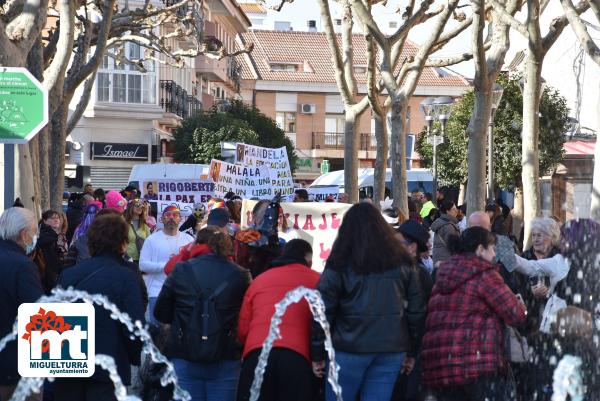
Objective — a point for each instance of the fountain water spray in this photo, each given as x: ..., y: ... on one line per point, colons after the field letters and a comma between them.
x: 27, y: 386
x: 318, y: 310
x: 567, y: 380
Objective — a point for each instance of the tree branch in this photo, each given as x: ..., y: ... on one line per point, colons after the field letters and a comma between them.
x: 509, y: 19
x: 335, y: 54
x: 595, y: 6
x: 446, y: 37
x: 559, y: 24
x: 448, y: 61
x: 50, y: 48
x: 348, y: 48
x: 415, y: 19
x: 54, y: 75
x: 83, y: 103
x: 581, y: 31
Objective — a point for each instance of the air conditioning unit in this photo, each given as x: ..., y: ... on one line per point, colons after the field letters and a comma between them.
x: 308, y: 108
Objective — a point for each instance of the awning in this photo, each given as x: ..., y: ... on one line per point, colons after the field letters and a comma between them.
x: 579, y: 148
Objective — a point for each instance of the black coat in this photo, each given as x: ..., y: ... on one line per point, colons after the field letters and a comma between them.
x: 20, y: 283
x: 120, y: 285
x: 47, y: 243
x: 372, y: 313
x: 180, y: 293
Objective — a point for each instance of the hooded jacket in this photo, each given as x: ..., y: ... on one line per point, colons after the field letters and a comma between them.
x: 464, y: 332
x: 52, y: 265
x: 443, y: 227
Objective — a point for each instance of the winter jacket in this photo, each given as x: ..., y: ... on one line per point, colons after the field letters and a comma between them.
x: 186, y: 253
x: 443, y: 227
x: 467, y: 313
x: 113, y: 279
x: 373, y: 313
x: 79, y: 251
x: 259, y: 306
x: 20, y: 284
x: 74, y: 216
x: 182, y: 290
x: 47, y: 244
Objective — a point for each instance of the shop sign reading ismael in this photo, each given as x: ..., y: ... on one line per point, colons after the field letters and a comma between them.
x: 23, y: 105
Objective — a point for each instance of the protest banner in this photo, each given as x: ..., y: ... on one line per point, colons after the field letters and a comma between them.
x: 245, y: 181
x: 184, y: 194
x: 277, y: 162
x: 317, y: 223
x: 320, y: 194
x: 183, y: 191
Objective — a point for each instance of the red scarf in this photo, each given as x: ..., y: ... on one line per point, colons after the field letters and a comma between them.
x: 186, y: 253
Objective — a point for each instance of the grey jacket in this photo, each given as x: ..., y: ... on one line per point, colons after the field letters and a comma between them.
x: 443, y: 227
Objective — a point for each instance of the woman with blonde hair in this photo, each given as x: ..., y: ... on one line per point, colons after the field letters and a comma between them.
x: 136, y: 215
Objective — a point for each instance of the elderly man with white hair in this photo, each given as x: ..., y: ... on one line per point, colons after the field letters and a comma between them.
x: 20, y: 284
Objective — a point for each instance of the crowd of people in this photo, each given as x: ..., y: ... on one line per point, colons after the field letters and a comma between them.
x: 435, y: 305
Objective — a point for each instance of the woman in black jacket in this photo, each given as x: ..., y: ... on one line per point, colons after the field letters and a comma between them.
x: 201, y: 300
x: 47, y: 255
x: 374, y: 304
x: 106, y: 273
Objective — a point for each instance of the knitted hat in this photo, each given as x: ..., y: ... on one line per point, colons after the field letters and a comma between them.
x: 416, y: 233
x: 114, y: 200
x: 218, y: 217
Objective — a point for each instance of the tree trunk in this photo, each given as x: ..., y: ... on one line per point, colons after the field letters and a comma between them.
x: 476, y: 154
x: 398, y: 145
x: 381, y: 157
x: 351, y: 163
x: 518, y: 212
x: 56, y: 154
x: 595, y: 207
x: 530, y: 176
x: 23, y: 180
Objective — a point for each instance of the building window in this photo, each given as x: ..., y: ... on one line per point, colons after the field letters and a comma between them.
x: 334, y: 123
x: 284, y: 67
x: 282, y: 25
x: 121, y: 83
x: 393, y: 24
x: 360, y: 69
x: 286, y: 121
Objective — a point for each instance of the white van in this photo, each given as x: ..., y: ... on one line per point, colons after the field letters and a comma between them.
x: 153, y: 172
x: 421, y: 179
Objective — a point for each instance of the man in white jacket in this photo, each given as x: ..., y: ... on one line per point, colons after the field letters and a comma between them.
x: 156, y: 252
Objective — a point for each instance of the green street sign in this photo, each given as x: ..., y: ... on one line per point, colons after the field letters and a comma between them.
x: 325, y: 167
x: 23, y: 105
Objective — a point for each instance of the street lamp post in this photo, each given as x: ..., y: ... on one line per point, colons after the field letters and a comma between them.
x: 438, y: 108
x: 497, y: 91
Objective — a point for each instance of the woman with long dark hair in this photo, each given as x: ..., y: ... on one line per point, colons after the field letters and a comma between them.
x: 463, y: 347
x: 374, y: 304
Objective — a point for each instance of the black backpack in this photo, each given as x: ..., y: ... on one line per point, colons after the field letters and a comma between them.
x: 204, y: 338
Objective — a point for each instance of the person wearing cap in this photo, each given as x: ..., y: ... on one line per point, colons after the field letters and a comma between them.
x: 158, y: 248
x: 114, y: 200
x: 220, y: 218
x: 414, y: 238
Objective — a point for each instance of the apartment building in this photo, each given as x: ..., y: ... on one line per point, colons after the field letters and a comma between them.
x: 131, y: 115
x: 289, y: 76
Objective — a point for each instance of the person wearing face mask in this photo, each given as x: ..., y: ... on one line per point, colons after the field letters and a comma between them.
x: 47, y: 254
x: 157, y: 250
x: 462, y: 351
x: 20, y: 284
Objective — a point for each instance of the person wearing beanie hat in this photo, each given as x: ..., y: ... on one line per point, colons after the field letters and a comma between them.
x: 218, y: 217
x: 158, y: 248
x: 114, y: 200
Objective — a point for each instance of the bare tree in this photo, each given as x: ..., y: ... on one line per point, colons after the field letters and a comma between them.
x: 537, y: 47
x: 401, y: 84
x: 83, y: 36
x: 592, y: 49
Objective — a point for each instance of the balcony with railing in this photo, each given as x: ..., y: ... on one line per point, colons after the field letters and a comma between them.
x: 187, y: 11
x: 335, y: 141
x: 175, y: 100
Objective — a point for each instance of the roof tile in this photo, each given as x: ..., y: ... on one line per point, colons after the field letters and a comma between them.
x: 312, y: 48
